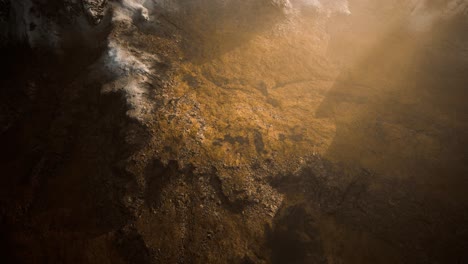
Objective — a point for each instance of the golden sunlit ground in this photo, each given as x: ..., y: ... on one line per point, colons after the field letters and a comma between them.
x: 229, y: 132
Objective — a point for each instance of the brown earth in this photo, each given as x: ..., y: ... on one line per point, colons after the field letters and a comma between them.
x: 256, y: 136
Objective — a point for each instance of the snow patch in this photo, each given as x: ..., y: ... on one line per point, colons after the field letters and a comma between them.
x: 325, y: 6
x: 128, y: 10
x: 119, y: 61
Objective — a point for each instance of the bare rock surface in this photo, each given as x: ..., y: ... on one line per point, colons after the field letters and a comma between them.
x: 95, y: 9
x: 222, y: 131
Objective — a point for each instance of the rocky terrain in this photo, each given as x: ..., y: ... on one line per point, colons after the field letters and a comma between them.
x: 223, y: 131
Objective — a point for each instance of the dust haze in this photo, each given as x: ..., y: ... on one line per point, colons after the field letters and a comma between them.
x: 223, y: 131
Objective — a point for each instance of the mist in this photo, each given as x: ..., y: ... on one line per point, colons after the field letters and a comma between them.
x: 223, y: 131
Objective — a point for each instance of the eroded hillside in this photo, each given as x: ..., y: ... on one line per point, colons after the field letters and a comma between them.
x: 219, y: 131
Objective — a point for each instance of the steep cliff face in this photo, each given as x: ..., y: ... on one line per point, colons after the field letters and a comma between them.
x: 222, y: 131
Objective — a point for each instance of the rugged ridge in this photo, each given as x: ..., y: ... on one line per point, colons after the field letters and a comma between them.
x: 233, y: 132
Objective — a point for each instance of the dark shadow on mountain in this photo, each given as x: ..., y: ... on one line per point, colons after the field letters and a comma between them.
x: 212, y: 28
x: 352, y: 215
